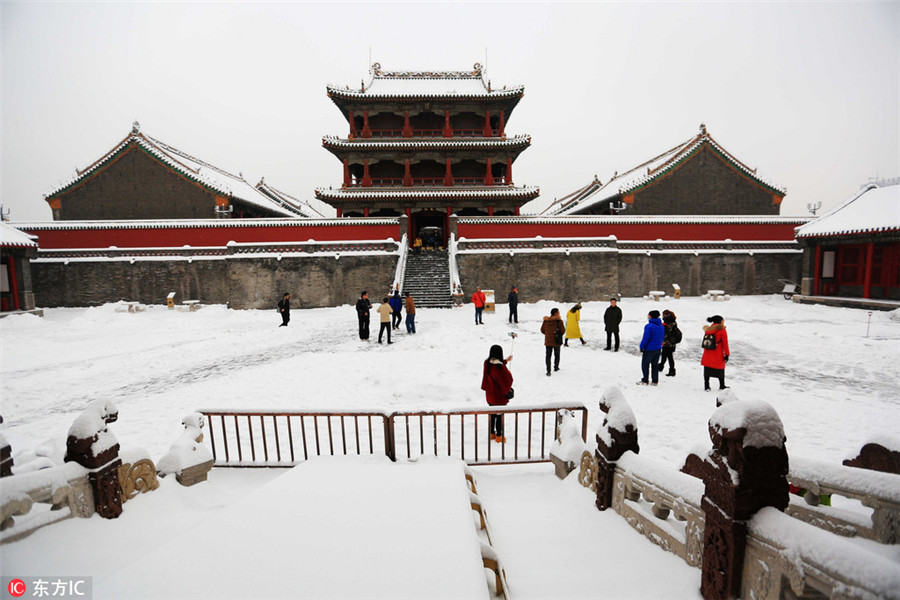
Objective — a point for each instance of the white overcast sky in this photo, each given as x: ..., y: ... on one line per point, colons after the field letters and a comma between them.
x: 807, y: 93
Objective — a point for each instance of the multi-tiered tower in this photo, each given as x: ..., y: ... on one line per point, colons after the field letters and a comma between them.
x: 427, y: 145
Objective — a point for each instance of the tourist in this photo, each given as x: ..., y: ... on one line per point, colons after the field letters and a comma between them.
x: 513, y: 300
x: 385, y: 311
x: 410, y: 305
x: 362, y: 311
x: 573, y: 329
x: 478, y: 299
x: 715, y: 351
x: 284, y: 307
x: 672, y: 339
x: 611, y: 318
x: 651, y: 347
x: 396, y: 305
x: 553, y: 330
x: 496, y: 381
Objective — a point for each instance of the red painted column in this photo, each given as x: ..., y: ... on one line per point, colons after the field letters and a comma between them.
x: 407, y: 130
x: 503, y: 124
x: 448, y: 175
x: 509, y: 171
x: 407, y: 177
x: 340, y: 213
x: 366, y: 132
x: 490, y: 211
x: 366, y: 212
x: 517, y: 211
x: 488, y: 177
x: 367, y: 179
x: 817, y: 274
x: 347, y: 181
x: 352, y: 125
x: 13, y: 282
x: 487, y: 124
x: 867, y: 280
x: 448, y: 131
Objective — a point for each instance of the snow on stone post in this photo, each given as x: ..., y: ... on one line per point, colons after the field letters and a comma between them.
x: 616, y: 436
x: 569, y: 446
x: 91, y: 445
x: 6, y: 459
x: 745, y: 471
x: 188, y: 458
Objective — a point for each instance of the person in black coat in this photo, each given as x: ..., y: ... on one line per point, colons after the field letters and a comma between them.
x: 362, y: 311
x: 672, y: 339
x: 513, y: 300
x: 284, y: 307
x: 611, y: 318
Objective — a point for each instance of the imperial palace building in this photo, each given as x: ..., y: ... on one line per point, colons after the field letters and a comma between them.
x: 426, y: 144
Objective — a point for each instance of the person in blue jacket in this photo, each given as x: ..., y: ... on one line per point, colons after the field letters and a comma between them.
x: 396, y: 304
x: 651, y: 348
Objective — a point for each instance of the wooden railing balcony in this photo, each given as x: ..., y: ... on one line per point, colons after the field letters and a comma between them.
x: 426, y: 182
x: 428, y: 133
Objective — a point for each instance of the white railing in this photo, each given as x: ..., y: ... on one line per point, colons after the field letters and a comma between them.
x: 455, y: 284
x: 400, y: 273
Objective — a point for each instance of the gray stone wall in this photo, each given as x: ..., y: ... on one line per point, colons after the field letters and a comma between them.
x: 598, y: 275
x: 241, y: 283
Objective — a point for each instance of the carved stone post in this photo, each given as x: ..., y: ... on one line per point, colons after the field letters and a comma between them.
x: 746, y: 471
x: 92, y: 446
x: 616, y: 436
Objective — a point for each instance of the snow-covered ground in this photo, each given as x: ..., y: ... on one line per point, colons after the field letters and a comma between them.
x: 833, y: 386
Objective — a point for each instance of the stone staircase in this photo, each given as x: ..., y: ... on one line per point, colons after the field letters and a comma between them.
x: 427, y: 278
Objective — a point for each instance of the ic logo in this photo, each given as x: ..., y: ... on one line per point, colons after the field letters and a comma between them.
x: 16, y: 588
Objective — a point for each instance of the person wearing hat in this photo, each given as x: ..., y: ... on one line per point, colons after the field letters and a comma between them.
x: 573, y: 329
x: 715, y: 357
x: 513, y: 300
x: 651, y: 348
x: 611, y: 318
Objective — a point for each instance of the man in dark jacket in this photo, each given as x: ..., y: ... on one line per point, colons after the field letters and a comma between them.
x: 651, y: 347
x: 396, y: 304
x: 612, y: 317
x: 553, y: 330
x: 513, y: 300
x: 284, y: 307
x: 362, y: 311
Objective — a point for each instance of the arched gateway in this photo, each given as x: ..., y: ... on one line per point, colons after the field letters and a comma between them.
x: 427, y: 144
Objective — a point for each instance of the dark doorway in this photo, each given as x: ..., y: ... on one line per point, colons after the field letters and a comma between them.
x: 430, y: 228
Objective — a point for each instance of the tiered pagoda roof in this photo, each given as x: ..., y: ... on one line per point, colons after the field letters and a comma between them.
x: 412, y: 85
x: 208, y: 176
x: 650, y: 171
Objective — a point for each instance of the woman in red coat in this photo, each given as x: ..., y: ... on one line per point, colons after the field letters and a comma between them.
x: 496, y: 381
x: 714, y: 359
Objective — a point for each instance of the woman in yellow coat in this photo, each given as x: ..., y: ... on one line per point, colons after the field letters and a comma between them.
x: 573, y: 330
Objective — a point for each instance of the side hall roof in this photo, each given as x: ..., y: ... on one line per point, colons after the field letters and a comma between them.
x: 218, y: 180
x: 10, y: 237
x: 873, y: 209
x: 650, y: 171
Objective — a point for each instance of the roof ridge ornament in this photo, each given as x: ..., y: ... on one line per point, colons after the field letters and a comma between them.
x: 703, y: 129
x: 135, y: 128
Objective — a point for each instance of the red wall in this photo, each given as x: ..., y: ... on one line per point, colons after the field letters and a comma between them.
x: 633, y: 231
x: 162, y: 237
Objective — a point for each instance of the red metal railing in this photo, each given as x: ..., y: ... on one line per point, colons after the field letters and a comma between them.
x: 286, y: 438
x: 426, y: 181
x: 429, y: 133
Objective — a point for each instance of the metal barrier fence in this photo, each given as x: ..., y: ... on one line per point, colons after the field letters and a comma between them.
x: 287, y: 438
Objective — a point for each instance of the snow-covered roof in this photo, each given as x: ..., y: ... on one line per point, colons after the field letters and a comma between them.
x: 518, y: 141
x: 497, y: 192
x: 10, y: 237
x: 416, y: 84
x: 211, y: 177
x: 873, y: 209
x: 304, y: 208
x: 649, y: 171
x: 200, y: 223
x: 641, y: 220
